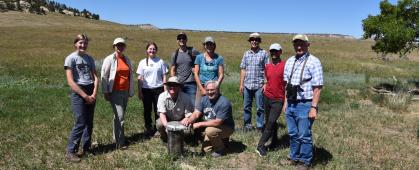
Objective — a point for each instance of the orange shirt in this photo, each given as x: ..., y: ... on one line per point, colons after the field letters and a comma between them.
x: 122, y: 75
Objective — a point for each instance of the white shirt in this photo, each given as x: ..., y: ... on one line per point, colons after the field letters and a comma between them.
x: 152, y: 72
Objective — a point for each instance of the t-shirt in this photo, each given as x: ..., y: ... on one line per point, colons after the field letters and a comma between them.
x: 121, y: 81
x: 81, y: 67
x: 153, y: 72
x: 208, y: 70
x: 220, y: 109
x: 184, y: 65
x: 174, y: 110
x: 275, y: 84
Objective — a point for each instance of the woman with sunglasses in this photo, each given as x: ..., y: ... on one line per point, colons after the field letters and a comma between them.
x: 151, y: 77
x: 118, y: 85
x: 208, y: 66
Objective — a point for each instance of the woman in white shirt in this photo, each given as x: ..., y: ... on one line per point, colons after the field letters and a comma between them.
x: 151, y: 77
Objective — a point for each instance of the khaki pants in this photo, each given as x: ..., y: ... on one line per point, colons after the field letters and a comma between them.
x: 214, y: 136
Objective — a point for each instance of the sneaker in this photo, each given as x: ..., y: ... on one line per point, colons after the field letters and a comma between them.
x: 71, y: 157
x: 248, y: 128
x: 217, y: 154
x: 261, y: 150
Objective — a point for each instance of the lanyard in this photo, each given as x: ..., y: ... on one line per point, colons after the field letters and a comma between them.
x: 302, y: 70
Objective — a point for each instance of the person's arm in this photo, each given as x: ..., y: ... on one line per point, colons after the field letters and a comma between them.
x: 96, y: 84
x: 140, y: 86
x: 209, y: 123
x: 76, y: 88
x: 192, y: 119
x: 163, y: 119
x: 172, y: 71
x: 242, y: 74
x: 221, y: 72
x: 316, y: 97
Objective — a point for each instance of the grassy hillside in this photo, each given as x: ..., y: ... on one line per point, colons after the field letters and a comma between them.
x: 354, y: 131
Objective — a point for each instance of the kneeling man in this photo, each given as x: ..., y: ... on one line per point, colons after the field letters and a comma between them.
x: 173, y: 105
x: 217, y: 120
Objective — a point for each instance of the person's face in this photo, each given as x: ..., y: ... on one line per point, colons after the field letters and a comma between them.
x: 173, y: 89
x: 275, y: 53
x: 300, y: 47
x: 209, y: 46
x: 181, y: 40
x: 212, y: 91
x: 120, y: 47
x: 254, y: 42
x: 81, y: 46
x: 151, y: 50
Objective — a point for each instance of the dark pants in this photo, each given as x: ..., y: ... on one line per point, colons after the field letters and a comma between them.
x: 150, y: 103
x: 273, y: 109
x: 83, y: 124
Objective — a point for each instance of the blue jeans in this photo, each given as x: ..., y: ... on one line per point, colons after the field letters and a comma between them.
x: 247, y: 113
x: 83, y: 124
x: 299, y: 129
x: 190, y: 89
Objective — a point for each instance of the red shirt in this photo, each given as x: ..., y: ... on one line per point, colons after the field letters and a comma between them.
x: 121, y: 81
x: 275, y: 84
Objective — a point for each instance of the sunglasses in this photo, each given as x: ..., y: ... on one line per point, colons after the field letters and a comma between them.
x: 254, y: 39
x: 273, y: 51
x: 182, y: 37
x: 208, y: 43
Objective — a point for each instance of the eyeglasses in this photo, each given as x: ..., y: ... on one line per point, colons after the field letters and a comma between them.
x: 254, y: 39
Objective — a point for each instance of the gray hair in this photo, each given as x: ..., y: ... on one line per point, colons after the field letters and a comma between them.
x: 212, y: 82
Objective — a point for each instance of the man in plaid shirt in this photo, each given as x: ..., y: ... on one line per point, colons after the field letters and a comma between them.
x: 252, y: 80
x: 303, y: 72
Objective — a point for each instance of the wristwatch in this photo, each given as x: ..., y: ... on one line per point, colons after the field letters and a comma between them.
x: 315, y: 107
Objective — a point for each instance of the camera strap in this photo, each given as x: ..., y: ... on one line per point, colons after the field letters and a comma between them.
x: 302, y: 70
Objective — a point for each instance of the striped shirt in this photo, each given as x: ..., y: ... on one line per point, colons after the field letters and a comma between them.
x: 313, y: 74
x: 254, y: 65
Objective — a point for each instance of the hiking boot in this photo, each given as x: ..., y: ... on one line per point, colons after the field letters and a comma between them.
x: 71, y: 157
x: 301, y: 166
x: 248, y: 128
x: 217, y: 154
x: 261, y: 150
x: 288, y: 161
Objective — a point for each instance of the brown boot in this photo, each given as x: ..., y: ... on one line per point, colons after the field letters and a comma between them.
x: 71, y: 157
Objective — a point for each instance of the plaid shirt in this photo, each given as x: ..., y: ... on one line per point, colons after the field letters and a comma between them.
x: 313, y: 74
x: 254, y: 64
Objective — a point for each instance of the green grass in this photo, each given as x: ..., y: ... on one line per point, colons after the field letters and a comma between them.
x: 352, y: 132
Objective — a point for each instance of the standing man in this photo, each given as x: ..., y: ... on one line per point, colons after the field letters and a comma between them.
x: 217, y: 124
x: 173, y: 105
x: 304, y: 77
x: 182, y: 64
x: 251, y: 81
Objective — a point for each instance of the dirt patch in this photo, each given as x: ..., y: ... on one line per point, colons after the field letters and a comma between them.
x: 244, y: 161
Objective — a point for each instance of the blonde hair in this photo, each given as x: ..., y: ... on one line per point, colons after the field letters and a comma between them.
x: 80, y: 37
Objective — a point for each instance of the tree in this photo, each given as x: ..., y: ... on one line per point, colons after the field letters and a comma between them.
x: 395, y: 29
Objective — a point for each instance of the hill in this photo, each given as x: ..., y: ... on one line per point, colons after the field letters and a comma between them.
x: 356, y: 129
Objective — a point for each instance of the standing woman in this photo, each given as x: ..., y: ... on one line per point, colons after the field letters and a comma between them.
x: 118, y: 85
x: 208, y: 66
x: 82, y: 78
x: 151, y: 77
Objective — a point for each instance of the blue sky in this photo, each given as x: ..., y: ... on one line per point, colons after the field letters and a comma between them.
x: 276, y: 16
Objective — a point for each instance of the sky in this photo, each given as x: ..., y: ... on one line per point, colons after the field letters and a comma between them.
x: 273, y: 16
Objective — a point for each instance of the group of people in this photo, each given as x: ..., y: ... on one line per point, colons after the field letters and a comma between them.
x: 191, y: 93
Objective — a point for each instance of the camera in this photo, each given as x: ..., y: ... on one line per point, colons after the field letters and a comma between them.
x: 292, y: 91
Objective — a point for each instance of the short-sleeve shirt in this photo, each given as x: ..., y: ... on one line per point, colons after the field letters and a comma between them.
x: 174, y: 110
x: 153, y: 72
x: 313, y: 74
x: 275, y: 84
x: 254, y: 65
x: 218, y: 109
x: 208, y: 70
x: 81, y: 67
x: 184, y: 65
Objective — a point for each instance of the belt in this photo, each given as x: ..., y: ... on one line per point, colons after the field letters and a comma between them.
x: 301, y: 101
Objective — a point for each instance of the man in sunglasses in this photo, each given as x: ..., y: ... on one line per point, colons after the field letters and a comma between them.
x: 182, y: 64
x: 251, y: 82
x: 173, y: 105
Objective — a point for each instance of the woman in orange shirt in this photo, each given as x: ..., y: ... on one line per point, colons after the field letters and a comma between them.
x: 117, y: 86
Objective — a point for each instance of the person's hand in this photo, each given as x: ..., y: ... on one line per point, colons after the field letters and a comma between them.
x: 196, y: 125
x: 107, y: 96
x: 312, y: 114
x: 263, y: 87
x: 185, y: 122
x: 203, y: 92
x: 89, y: 99
x: 241, y: 89
x: 284, y: 108
x: 140, y: 95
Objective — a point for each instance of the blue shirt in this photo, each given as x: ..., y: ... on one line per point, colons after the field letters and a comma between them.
x: 208, y: 70
x: 313, y: 74
x: 218, y: 109
x: 254, y: 65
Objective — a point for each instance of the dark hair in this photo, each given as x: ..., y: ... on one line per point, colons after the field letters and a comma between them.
x: 80, y: 37
x: 148, y: 45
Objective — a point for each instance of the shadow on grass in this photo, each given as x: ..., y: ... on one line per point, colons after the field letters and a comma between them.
x: 235, y: 147
x: 321, y: 156
x: 106, y: 148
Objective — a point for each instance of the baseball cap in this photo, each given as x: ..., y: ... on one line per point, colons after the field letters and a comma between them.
x: 254, y: 35
x: 172, y: 81
x: 118, y: 40
x: 300, y: 37
x: 275, y: 46
x: 209, y: 39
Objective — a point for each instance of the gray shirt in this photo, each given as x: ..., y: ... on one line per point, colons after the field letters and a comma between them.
x: 217, y: 109
x: 184, y: 65
x: 174, y: 110
x: 81, y: 67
